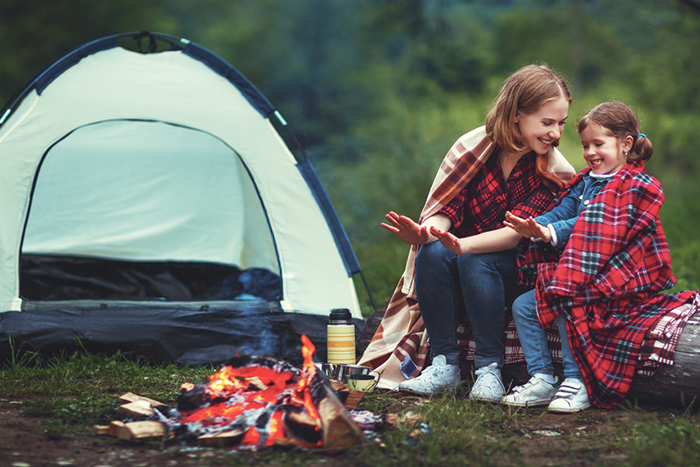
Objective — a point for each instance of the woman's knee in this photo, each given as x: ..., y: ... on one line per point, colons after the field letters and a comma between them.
x: 431, y: 255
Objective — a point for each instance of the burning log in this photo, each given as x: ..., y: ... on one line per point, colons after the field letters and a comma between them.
x: 256, y: 401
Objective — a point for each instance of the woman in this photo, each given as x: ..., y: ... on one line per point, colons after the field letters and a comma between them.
x: 510, y: 164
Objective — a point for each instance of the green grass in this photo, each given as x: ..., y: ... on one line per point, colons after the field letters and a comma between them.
x: 71, y: 393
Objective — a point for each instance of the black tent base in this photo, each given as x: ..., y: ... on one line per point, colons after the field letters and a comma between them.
x: 184, y: 333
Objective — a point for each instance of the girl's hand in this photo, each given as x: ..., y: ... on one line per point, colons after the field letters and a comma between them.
x: 449, y: 241
x: 528, y: 228
x: 407, y: 230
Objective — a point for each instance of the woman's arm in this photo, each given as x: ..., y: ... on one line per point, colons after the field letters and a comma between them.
x: 413, y: 233
x: 487, y: 242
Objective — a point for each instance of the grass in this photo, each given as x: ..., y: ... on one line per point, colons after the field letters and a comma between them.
x: 71, y: 393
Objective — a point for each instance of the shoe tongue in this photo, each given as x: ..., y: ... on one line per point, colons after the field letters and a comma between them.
x: 440, y: 360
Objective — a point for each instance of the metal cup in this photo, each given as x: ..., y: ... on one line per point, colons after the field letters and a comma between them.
x: 345, y: 370
x: 363, y: 383
x: 329, y: 369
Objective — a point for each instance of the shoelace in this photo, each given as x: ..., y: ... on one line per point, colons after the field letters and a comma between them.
x: 486, y: 369
x: 432, y: 369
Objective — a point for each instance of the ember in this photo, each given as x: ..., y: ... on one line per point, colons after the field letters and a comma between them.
x: 256, y: 402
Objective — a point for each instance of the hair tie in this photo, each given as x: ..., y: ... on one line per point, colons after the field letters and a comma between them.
x: 641, y: 134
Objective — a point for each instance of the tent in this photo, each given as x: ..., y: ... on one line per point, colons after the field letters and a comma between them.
x: 153, y: 201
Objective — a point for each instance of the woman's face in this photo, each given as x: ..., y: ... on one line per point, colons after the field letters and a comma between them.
x: 543, y: 127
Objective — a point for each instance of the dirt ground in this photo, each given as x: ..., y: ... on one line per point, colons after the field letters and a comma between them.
x: 24, y: 442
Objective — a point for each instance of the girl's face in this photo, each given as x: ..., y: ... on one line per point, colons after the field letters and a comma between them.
x: 543, y: 127
x: 603, y: 152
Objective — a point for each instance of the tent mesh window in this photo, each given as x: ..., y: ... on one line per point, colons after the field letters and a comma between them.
x: 138, y: 210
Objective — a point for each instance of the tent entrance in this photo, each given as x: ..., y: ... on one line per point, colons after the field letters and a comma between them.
x: 143, y: 210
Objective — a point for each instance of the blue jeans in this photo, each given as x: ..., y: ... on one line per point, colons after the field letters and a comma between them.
x: 448, y: 285
x: 534, y: 340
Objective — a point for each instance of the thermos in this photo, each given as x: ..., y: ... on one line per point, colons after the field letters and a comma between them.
x: 341, y: 337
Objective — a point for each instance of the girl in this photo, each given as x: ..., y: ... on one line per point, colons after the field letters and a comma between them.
x: 598, y: 261
x: 508, y: 164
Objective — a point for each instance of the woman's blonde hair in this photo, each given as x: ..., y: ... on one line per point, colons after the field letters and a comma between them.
x: 621, y: 121
x: 525, y: 91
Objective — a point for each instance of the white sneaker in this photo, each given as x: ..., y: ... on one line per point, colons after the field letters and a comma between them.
x: 571, y: 397
x: 440, y: 376
x: 489, y: 384
x: 535, y: 392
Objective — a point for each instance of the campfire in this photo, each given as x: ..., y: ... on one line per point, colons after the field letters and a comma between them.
x: 251, y: 403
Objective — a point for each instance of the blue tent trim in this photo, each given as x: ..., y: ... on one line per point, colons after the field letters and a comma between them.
x: 342, y: 241
x: 210, y: 59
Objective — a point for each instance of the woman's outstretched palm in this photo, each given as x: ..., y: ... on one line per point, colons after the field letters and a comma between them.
x: 406, y: 228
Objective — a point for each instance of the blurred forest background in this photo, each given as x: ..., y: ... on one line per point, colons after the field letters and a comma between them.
x: 378, y: 90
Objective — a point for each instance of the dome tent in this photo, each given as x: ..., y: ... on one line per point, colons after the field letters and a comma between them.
x: 146, y: 196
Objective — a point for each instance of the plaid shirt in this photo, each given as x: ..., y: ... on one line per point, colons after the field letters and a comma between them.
x: 606, y: 281
x: 481, y: 206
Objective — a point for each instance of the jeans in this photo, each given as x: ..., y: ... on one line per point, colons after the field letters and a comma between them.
x: 448, y: 285
x: 534, y: 340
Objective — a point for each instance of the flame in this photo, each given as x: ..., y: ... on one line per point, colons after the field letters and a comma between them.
x: 232, y: 393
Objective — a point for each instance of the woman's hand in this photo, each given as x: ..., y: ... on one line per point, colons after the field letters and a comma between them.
x: 450, y: 241
x: 407, y: 230
x: 528, y: 228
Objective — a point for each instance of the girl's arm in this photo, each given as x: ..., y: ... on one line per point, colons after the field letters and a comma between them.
x: 487, y: 242
x: 413, y: 233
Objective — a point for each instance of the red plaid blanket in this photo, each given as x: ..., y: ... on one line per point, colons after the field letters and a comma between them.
x: 607, y: 280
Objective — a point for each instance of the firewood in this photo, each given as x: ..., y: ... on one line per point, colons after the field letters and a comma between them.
x: 131, y: 397
x: 223, y: 439
x: 141, y: 429
x: 101, y: 430
x: 339, y: 430
x: 137, y: 409
x: 338, y: 386
x: 288, y: 443
x: 114, y: 427
x: 302, y: 418
x: 353, y: 399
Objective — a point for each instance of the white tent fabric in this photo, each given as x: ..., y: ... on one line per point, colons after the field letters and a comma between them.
x: 157, y: 157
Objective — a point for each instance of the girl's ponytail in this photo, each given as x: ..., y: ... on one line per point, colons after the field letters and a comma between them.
x: 642, y: 148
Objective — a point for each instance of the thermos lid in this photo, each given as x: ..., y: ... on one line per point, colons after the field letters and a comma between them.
x: 340, y: 316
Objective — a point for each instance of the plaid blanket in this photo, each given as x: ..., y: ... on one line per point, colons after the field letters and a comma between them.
x: 606, y: 282
x: 400, y: 346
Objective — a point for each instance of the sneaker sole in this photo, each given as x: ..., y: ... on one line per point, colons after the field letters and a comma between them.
x: 538, y: 403
x: 568, y: 409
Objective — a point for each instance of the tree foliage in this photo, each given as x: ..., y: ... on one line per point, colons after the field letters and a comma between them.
x: 377, y: 90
